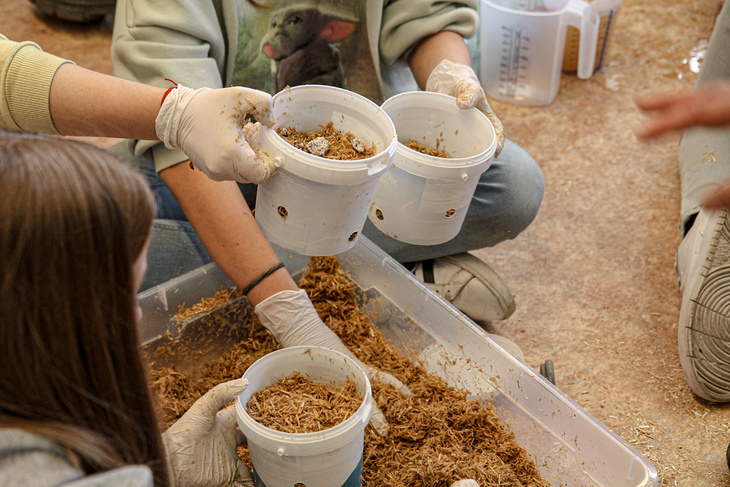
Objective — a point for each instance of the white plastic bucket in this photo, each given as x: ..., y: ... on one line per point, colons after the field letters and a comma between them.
x: 328, y: 458
x: 423, y: 199
x: 313, y: 205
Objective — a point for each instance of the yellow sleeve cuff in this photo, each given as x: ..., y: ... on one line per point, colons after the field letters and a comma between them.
x: 26, y: 76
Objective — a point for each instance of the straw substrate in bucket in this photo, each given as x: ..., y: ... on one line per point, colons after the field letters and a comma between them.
x: 327, y: 458
x: 423, y: 198
x: 313, y: 205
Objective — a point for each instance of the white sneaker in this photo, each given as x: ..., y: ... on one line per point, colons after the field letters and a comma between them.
x: 703, y: 267
x: 470, y: 285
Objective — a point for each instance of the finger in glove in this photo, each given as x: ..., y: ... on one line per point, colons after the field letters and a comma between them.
x: 378, y: 421
x: 465, y: 483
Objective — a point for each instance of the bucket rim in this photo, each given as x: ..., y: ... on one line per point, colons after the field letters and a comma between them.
x: 416, y: 162
x: 368, y: 167
x: 251, y: 427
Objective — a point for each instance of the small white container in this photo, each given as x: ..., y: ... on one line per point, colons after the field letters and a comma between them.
x: 327, y: 458
x: 313, y: 205
x: 423, y: 199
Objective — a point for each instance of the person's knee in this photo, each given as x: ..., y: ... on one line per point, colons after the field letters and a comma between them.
x: 524, y: 187
x: 174, y: 249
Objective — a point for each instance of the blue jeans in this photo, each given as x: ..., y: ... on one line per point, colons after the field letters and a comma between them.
x: 174, y: 246
x: 505, y: 202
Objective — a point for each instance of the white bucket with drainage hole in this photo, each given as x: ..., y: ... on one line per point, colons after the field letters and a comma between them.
x: 328, y: 458
x: 423, y: 199
x: 313, y: 205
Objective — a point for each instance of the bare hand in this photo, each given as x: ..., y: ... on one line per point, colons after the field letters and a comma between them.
x: 719, y: 199
x: 708, y: 106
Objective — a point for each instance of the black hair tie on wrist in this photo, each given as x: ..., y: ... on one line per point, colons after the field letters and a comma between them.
x: 262, y: 277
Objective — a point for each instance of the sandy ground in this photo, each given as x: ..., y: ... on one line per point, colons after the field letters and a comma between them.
x: 593, y: 275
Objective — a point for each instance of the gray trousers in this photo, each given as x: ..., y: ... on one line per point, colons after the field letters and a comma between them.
x: 704, y: 153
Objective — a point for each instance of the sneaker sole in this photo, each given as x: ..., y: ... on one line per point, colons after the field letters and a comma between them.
x: 704, y: 342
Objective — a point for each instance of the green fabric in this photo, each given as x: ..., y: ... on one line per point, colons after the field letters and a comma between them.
x: 219, y: 43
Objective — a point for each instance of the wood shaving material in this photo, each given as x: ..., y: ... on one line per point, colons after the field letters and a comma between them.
x: 297, y: 405
x: 328, y: 142
x: 205, y: 305
x: 437, y: 436
x: 424, y: 149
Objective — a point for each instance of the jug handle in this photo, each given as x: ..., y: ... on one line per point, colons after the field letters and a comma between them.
x: 584, y: 17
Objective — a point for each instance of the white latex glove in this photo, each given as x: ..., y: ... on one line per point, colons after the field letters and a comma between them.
x: 460, y: 81
x: 465, y: 483
x: 208, y: 125
x: 291, y: 317
x: 201, y: 446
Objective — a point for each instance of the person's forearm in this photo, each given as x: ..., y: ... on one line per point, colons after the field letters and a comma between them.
x: 225, y: 225
x: 87, y: 103
x: 434, y: 49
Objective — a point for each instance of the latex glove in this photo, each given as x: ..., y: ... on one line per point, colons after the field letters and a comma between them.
x: 465, y: 483
x: 201, y: 445
x: 460, y: 81
x: 291, y: 317
x: 208, y: 125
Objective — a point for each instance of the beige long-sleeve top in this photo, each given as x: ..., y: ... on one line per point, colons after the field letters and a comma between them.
x: 26, y: 73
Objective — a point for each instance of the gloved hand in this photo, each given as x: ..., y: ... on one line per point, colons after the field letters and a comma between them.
x: 465, y: 483
x: 208, y: 125
x: 291, y: 317
x: 460, y: 81
x: 201, y: 446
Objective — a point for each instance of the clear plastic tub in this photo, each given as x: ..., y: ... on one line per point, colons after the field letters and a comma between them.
x: 569, y: 445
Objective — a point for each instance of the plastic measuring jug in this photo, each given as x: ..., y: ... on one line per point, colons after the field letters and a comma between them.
x: 607, y: 11
x: 522, y: 44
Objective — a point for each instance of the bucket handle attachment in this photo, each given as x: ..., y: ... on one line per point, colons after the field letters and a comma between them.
x: 381, y: 163
x: 584, y: 17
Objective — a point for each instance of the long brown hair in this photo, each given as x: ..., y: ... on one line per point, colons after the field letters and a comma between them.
x: 73, y: 220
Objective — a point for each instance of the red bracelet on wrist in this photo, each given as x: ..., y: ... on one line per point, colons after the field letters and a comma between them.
x: 167, y: 92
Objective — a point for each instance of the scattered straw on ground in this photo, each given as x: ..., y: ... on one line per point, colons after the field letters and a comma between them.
x: 297, y: 405
x: 424, y: 149
x: 328, y: 142
x: 437, y: 435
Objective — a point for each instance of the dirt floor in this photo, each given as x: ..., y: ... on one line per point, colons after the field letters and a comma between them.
x: 593, y: 276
